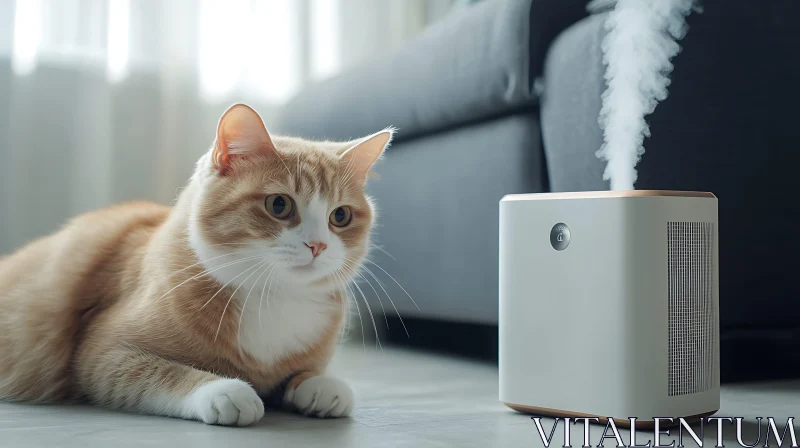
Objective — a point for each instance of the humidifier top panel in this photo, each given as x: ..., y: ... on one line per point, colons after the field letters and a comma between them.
x: 607, y: 194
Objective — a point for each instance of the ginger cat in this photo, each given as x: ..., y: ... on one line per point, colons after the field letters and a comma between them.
x: 203, y: 310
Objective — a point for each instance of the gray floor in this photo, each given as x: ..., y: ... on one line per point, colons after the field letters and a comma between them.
x: 404, y: 399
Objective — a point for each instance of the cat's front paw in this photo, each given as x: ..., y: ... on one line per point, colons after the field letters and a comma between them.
x: 226, y: 402
x: 321, y: 396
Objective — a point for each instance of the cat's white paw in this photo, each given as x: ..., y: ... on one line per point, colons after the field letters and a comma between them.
x: 226, y: 402
x: 321, y: 396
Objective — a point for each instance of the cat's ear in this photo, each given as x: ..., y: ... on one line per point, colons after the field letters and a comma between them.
x: 360, y: 156
x: 240, y: 132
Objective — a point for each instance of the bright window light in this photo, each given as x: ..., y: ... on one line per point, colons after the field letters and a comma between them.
x: 274, y: 54
x: 118, y: 39
x: 325, y: 38
x: 223, y: 45
x: 27, y: 36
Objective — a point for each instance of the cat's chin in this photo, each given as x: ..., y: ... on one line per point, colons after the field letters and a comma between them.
x: 310, y: 272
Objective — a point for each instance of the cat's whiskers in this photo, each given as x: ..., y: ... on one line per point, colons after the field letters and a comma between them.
x: 233, y: 294
x: 345, y: 287
x: 275, y: 270
x: 189, y: 241
x: 244, y: 306
x: 269, y: 290
x: 207, y: 272
x: 261, y: 302
x: 380, y: 284
x: 358, y: 309
x: 229, y: 282
x: 234, y: 247
x: 395, y: 281
x: 354, y: 266
x: 341, y: 291
x: 213, y: 258
x: 371, y: 315
x: 375, y: 246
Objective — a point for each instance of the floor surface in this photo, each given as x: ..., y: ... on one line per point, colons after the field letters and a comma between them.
x: 404, y: 398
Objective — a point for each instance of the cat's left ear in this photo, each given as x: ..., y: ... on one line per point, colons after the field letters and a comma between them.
x: 360, y: 156
x: 240, y: 132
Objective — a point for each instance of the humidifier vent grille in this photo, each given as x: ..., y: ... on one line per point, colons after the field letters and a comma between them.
x: 691, y: 311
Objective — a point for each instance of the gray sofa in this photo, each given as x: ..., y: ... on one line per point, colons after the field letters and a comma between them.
x: 503, y: 97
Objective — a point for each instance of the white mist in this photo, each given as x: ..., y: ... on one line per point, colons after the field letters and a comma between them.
x: 642, y: 39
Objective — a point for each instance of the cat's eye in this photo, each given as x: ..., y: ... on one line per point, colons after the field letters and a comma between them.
x: 341, y: 216
x: 279, y: 205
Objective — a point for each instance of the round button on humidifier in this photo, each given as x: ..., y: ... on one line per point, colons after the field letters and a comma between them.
x: 609, y: 304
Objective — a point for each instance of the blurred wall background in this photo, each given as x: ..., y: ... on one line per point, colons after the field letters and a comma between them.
x: 103, y: 101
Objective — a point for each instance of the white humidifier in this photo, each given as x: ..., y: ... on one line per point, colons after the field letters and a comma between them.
x: 609, y: 304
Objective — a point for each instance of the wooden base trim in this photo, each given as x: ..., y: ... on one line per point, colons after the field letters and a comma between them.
x: 620, y: 422
x: 609, y: 194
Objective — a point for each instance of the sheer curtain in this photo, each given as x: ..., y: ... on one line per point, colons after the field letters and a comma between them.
x: 103, y: 101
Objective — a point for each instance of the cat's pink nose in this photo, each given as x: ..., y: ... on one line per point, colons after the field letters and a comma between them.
x: 316, y: 247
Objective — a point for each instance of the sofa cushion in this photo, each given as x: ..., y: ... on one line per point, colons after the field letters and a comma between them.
x: 478, y: 62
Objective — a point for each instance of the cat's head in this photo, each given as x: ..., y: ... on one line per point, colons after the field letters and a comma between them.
x: 292, y: 209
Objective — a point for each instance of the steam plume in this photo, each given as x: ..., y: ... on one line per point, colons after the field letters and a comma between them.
x: 642, y: 38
